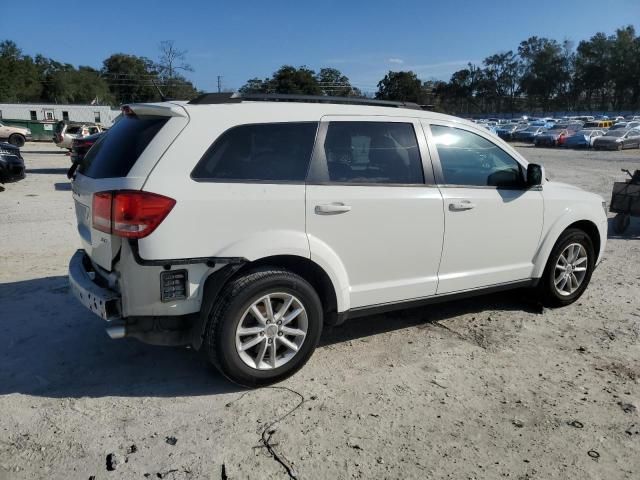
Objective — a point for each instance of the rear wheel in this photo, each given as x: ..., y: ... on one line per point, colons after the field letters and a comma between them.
x: 17, y: 140
x: 621, y: 223
x: 264, y: 327
x: 568, y: 270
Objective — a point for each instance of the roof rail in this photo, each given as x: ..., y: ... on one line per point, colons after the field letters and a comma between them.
x: 218, y: 98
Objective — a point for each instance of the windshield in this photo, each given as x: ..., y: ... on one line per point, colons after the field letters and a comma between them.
x: 533, y: 129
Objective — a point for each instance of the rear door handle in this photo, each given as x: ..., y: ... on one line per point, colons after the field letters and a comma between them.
x: 332, y: 209
x: 461, y: 205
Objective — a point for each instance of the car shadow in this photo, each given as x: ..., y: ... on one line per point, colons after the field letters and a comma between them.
x: 44, y: 152
x: 362, y: 327
x: 62, y: 186
x: 631, y: 233
x: 50, y: 346
x: 47, y: 171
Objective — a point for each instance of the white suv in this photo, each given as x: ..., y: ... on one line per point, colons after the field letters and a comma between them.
x: 240, y: 225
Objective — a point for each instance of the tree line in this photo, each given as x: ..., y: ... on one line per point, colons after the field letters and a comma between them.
x: 123, y: 78
x: 541, y: 74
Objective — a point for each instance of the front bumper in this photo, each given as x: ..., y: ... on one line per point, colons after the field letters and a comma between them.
x: 12, y: 169
x: 104, y: 302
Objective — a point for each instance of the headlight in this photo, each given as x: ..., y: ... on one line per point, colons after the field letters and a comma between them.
x: 28, y: 132
x: 8, y: 152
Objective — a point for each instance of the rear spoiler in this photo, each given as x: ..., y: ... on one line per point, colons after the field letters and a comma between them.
x: 154, y: 109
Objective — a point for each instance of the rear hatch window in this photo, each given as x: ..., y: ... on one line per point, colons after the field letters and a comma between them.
x: 115, y: 153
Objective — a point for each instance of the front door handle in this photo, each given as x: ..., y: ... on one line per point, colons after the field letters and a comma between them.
x: 332, y: 209
x: 461, y: 205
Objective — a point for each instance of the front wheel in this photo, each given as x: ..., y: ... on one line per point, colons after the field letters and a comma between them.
x: 264, y: 327
x: 17, y: 140
x: 568, y: 270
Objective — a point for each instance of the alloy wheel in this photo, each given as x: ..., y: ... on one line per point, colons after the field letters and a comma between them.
x: 571, y: 269
x: 271, y: 331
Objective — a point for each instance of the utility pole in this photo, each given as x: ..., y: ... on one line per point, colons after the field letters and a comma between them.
x: 219, y: 83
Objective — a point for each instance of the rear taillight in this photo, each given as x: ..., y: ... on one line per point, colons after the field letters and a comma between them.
x: 101, y: 211
x: 129, y: 214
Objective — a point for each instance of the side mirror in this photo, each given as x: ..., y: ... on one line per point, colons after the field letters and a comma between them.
x: 534, y: 175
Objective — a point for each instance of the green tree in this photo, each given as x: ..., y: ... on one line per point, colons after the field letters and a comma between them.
x: 624, y: 69
x: 293, y: 80
x: 255, y: 85
x: 131, y: 78
x: 545, y: 70
x: 592, y: 66
x: 400, y: 86
x: 20, y: 78
x: 501, y: 78
x: 332, y: 82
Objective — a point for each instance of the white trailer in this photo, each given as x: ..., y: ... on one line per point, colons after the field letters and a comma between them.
x: 102, y: 114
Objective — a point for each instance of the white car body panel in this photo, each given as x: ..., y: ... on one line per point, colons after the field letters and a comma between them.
x: 492, y: 243
x: 409, y: 218
x: 396, y: 243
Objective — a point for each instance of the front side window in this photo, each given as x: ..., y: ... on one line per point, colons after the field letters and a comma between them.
x: 373, y: 152
x: 260, y: 152
x: 469, y: 159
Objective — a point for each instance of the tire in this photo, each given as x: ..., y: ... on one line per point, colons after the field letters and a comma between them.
x: 233, y: 307
x: 17, y: 140
x: 620, y: 147
x: 550, y: 295
x: 621, y: 223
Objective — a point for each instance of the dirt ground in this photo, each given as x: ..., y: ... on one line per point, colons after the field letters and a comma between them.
x: 485, y: 388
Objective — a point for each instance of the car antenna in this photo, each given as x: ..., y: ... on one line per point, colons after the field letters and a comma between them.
x: 162, y: 97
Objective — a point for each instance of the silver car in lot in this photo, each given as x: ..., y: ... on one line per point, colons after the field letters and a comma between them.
x: 618, y: 140
x: 66, y: 133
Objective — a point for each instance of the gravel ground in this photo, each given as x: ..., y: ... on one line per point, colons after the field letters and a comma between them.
x: 487, y: 388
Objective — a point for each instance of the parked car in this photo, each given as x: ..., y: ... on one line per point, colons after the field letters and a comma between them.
x: 16, y: 136
x: 506, y: 132
x: 618, y: 140
x: 583, y: 138
x: 240, y: 225
x: 65, y: 132
x: 80, y: 146
x: 551, y: 138
x: 11, y: 163
x: 619, y: 126
x: 599, y: 124
x: 529, y: 134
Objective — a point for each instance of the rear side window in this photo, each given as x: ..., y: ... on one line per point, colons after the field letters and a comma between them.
x: 373, y: 152
x: 116, y: 152
x: 259, y: 152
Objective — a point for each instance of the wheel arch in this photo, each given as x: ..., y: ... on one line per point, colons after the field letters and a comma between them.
x: 589, y: 227
x: 302, y: 266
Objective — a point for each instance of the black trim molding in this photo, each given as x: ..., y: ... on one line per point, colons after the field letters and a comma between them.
x: 167, y: 263
x: 418, y: 302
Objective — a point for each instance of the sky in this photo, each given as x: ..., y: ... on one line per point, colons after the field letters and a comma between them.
x: 363, y: 39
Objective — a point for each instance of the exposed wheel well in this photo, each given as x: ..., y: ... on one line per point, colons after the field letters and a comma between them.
x: 310, y: 271
x: 590, y: 229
